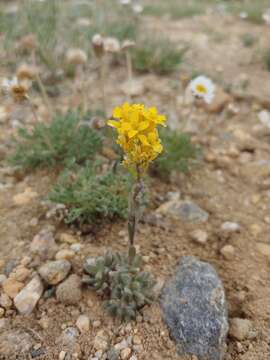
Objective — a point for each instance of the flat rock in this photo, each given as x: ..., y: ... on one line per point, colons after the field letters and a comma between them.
x: 69, y: 291
x: 194, y: 308
x: 185, y: 210
x: 54, y: 271
x: 44, y: 244
x: 28, y: 297
x: 14, y: 343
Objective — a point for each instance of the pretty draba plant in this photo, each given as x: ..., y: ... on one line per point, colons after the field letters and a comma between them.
x: 119, y: 277
x: 89, y: 196
x: 66, y: 140
x: 122, y: 281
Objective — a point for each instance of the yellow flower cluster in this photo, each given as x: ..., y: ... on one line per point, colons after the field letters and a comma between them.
x: 137, y: 134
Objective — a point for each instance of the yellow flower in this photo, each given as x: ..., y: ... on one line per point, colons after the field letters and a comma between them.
x: 137, y: 133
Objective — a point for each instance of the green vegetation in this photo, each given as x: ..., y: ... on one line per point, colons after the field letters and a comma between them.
x: 125, y: 287
x: 64, y: 141
x: 90, y: 196
x: 159, y: 56
x: 266, y: 59
x: 253, y: 9
x: 179, y: 153
x: 176, y: 9
x: 248, y: 39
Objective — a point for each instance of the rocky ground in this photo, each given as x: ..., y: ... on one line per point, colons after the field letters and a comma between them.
x: 230, y: 229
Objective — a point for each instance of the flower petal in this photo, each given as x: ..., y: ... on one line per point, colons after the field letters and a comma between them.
x: 132, y: 133
x: 113, y: 123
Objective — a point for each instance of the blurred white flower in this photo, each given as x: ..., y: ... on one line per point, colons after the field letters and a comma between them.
x: 124, y: 2
x: 266, y: 16
x: 203, y: 88
x: 76, y: 57
x: 127, y: 44
x: 111, y: 45
x: 137, y: 8
x: 98, y: 45
x: 243, y: 15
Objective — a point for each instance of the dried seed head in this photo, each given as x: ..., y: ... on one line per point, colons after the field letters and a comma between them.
x: 28, y: 42
x: 76, y: 57
x: 127, y: 44
x: 26, y: 72
x: 98, y: 45
x: 17, y: 89
x: 111, y: 45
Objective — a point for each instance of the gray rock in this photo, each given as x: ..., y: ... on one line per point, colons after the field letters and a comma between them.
x: 15, y: 344
x: 54, y: 271
x: 230, y: 226
x: 28, y: 297
x: 194, y: 308
x: 185, y: 210
x: 69, y: 291
x: 69, y: 336
x: 44, y: 244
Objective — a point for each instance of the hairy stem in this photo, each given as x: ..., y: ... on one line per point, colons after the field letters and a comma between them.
x: 102, y: 75
x: 42, y: 87
x: 133, y: 213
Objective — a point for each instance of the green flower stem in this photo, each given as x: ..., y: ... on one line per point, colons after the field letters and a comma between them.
x: 133, y: 213
x: 102, y: 80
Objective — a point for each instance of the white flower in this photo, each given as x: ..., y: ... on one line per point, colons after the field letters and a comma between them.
x: 124, y: 2
x: 266, y: 16
x: 137, y: 8
x: 243, y: 15
x: 203, y: 88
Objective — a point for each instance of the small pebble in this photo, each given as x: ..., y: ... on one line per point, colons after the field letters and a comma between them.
x: 230, y: 226
x: 62, y: 355
x: 2, y: 278
x: 65, y: 254
x: 96, y: 323
x: 83, y: 323
x: 125, y: 353
x: 228, y: 252
x: 240, y: 328
x: 199, y: 236
x: 2, y: 312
